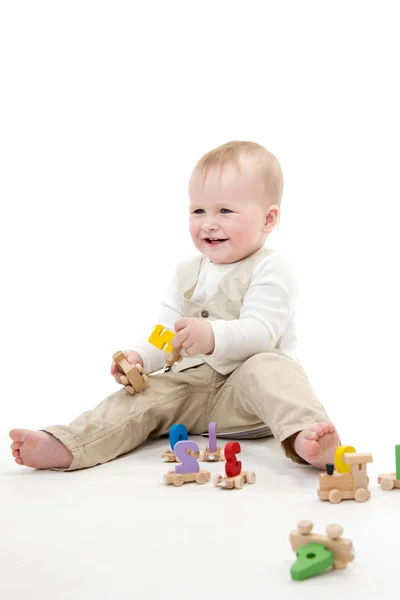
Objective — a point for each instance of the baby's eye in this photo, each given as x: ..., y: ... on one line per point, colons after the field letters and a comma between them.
x: 227, y: 210
x: 198, y: 211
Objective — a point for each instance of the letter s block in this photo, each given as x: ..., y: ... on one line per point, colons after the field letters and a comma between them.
x: 160, y: 338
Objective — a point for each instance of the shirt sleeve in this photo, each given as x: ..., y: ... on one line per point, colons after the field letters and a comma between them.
x: 171, y: 311
x: 267, y: 307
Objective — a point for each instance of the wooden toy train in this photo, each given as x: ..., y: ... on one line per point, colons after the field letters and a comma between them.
x: 350, y: 480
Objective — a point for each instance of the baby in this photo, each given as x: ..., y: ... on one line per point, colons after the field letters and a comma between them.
x: 233, y: 310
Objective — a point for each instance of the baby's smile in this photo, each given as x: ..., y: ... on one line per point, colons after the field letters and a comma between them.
x: 214, y: 241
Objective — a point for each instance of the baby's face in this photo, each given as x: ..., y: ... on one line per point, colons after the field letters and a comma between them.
x: 232, y: 210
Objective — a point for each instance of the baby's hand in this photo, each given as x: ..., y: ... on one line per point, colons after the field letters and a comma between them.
x: 132, y: 357
x: 194, y: 335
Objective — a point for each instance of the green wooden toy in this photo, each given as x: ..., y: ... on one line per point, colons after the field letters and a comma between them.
x: 388, y: 481
x: 311, y: 560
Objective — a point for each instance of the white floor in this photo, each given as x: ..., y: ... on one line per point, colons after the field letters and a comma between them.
x: 118, y: 532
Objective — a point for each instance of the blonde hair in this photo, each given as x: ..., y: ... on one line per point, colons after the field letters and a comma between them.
x: 231, y: 153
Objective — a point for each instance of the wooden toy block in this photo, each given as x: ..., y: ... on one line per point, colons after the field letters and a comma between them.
x: 388, y: 481
x: 346, y: 486
x: 341, y: 466
x: 169, y: 456
x: 189, y: 469
x: 162, y: 338
x: 178, y: 479
x: 212, y: 453
x: 237, y: 482
x: 235, y: 477
x: 355, y: 458
x: 171, y: 358
x: 132, y: 376
x: 312, y: 560
x: 342, y: 548
x: 207, y: 456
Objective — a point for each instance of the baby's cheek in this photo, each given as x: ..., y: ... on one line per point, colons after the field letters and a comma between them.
x: 194, y: 233
x: 240, y: 233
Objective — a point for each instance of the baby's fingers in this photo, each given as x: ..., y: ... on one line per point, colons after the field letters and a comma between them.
x: 117, y: 378
x: 115, y: 372
x: 180, y: 338
x: 113, y: 369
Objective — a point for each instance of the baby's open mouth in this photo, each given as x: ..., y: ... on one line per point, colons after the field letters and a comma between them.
x: 214, y: 241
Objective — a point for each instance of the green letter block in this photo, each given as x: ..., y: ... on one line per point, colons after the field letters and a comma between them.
x: 398, y: 461
x: 311, y: 560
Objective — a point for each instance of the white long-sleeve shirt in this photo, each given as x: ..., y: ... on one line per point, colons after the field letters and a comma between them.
x: 266, y: 321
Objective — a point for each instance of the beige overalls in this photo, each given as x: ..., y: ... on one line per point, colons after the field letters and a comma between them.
x: 269, y: 388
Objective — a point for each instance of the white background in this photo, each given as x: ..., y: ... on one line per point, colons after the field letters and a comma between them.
x: 104, y: 109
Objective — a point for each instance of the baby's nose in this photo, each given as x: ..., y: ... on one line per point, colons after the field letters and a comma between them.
x: 210, y: 225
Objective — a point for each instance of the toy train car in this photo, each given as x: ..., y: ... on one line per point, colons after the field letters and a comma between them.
x: 337, y: 486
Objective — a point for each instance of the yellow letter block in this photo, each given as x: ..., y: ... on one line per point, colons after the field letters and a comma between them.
x: 341, y: 466
x: 159, y: 340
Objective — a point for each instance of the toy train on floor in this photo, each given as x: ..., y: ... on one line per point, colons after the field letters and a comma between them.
x: 349, y: 480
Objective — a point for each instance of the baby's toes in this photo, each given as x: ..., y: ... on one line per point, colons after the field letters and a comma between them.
x: 15, y: 453
x: 311, y: 448
x: 19, y: 460
x: 311, y: 435
x: 326, y: 427
x: 15, y: 446
x: 318, y: 430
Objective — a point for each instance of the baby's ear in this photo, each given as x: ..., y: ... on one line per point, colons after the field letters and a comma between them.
x: 272, y: 218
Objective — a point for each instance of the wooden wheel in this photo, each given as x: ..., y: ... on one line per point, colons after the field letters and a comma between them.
x: 239, y: 482
x: 201, y: 477
x: 334, y: 532
x: 387, y: 483
x: 177, y: 479
x: 216, y: 479
x: 250, y: 477
x: 361, y: 495
x: 335, y: 496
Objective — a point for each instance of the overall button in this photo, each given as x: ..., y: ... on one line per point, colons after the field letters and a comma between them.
x: 205, y: 314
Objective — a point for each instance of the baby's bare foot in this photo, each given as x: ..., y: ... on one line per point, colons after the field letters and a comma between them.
x: 317, y: 444
x: 39, y: 449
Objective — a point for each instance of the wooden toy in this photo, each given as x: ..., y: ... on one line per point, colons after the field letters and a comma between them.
x: 133, y: 377
x: 234, y: 482
x: 316, y: 552
x: 235, y: 477
x: 391, y: 480
x: 312, y: 560
x: 177, y: 433
x: 212, y: 452
x: 178, y: 479
x: 160, y: 338
x: 189, y: 470
x: 346, y: 485
x: 168, y: 456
